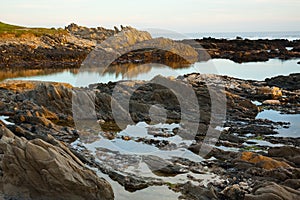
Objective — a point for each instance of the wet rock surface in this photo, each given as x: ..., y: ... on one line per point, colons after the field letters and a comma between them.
x: 246, y: 161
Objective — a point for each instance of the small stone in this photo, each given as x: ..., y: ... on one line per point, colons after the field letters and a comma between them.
x: 271, y: 102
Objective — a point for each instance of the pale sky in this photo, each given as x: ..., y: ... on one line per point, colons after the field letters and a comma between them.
x: 183, y: 16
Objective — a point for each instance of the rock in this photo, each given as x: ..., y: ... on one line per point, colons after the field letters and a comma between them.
x: 271, y: 102
x: 291, y: 82
x: 99, y: 34
x: 192, y: 192
x: 131, y: 44
x: 292, y: 183
x: 38, y: 170
x: 263, y: 161
x: 291, y: 154
x: 245, y: 50
x: 273, y: 191
x: 233, y: 192
x: 273, y: 92
x: 162, y: 167
x: 298, y: 63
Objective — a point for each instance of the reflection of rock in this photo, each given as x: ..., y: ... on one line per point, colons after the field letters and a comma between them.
x: 8, y: 74
x: 128, y: 70
x: 132, y: 70
x: 38, y: 170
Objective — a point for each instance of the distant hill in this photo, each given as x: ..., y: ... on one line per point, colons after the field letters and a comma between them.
x: 20, y: 30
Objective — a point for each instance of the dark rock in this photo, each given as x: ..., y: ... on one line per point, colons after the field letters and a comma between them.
x: 291, y: 82
x: 233, y: 192
x: 292, y: 183
x: 240, y: 50
x: 192, y: 192
x: 273, y: 191
x: 162, y: 167
x: 291, y: 154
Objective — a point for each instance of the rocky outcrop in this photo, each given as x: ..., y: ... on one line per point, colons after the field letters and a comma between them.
x: 38, y: 110
x: 36, y: 169
x: 244, y: 50
x: 131, y: 46
x: 46, y: 51
x: 98, y: 34
x: 291, y: 82
x: 70, y: 49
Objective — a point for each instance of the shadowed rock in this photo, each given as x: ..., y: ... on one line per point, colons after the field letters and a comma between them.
x: 38, y: 170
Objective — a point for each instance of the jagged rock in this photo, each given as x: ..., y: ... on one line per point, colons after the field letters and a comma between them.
x: 99, y: 34
x: 39, y: 170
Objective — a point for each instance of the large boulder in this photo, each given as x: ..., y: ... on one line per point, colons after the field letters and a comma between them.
x: 145, y: 48
x: 36, y: 169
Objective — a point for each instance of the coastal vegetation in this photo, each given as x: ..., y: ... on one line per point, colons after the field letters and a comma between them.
x: 18, y: 31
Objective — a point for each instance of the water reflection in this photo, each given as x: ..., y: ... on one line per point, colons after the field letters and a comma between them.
x: 133, y: 71
x: 17, y: 73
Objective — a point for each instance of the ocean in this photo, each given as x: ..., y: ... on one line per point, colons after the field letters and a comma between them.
x: 289, y: 35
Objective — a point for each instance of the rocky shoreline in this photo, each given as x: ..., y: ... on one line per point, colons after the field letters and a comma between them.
x: 70, y: 49
x: 197, y: 136
x: 41, y: 133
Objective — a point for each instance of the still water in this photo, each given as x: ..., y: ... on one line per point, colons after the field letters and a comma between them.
x: 78, y: 77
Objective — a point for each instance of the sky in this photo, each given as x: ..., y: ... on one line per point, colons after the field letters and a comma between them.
x: 186, y: 16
